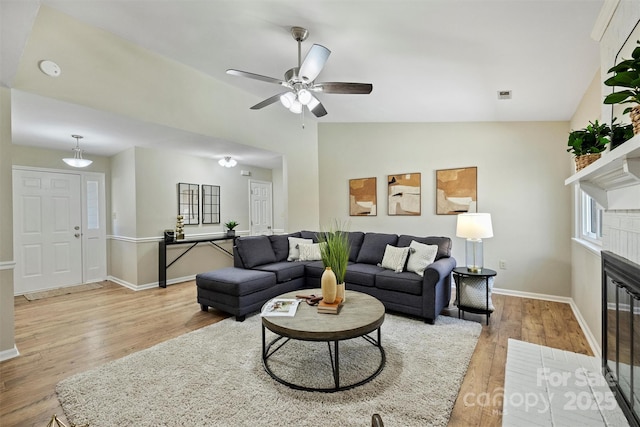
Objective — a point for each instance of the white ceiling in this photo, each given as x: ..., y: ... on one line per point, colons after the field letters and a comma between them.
x: 428, y: 61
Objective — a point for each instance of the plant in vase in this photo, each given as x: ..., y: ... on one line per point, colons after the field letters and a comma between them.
x: 334, y: 249
x: 626, y: 75
x: 587, y: 144
x: 620, y: 133
x: 230, y: 225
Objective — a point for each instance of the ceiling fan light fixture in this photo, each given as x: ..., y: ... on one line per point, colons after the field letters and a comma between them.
x: 288, y: 99
x: 77, y: 161
x: 227, y: 162
x: 304, y: 96
x: 296, y: 107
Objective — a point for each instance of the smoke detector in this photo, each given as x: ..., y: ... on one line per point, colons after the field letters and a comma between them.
x: 50, y: 68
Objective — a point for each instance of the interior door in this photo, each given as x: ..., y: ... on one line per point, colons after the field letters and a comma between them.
x: 47, y: 230
x: 260, y: 205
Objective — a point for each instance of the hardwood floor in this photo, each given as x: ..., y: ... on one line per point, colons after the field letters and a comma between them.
x: 60, y: 336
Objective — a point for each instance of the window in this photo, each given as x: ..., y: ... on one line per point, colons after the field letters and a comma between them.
x: 590, y: 218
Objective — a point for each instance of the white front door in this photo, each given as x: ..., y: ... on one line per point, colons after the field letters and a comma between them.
x: 260, y: 205
x: 47, y: 230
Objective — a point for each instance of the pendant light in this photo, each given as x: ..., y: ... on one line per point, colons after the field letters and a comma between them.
x: 77, y: 161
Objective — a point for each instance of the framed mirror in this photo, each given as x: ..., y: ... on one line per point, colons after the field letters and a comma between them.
x: 210, y: 204
x: 189, y: 203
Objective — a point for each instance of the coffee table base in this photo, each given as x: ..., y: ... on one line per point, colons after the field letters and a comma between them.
x: 334, y: 355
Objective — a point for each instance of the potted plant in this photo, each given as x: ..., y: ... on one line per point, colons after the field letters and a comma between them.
x: 334, y: 249
x: 230, y: 225
x: 587, y: 144
x: 626, y: 75
x: 620, y: 133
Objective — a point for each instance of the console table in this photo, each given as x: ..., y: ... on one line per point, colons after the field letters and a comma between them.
x: 162, y: 253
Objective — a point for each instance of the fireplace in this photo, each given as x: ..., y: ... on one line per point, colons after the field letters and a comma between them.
x: 621, y: 332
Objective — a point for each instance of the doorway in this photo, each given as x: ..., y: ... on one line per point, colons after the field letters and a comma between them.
x: 260, y: 206
x: 59, y: 229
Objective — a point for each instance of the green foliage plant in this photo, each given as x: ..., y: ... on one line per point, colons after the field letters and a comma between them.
x: 590, y: 140
x: 627, y: 76
x: 620, y: 133
x: 231, y: 225
x: 334, y: 249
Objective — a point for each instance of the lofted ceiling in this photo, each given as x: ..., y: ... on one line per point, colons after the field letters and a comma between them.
x: 428, y: 60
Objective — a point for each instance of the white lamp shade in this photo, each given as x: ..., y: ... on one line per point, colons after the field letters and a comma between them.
x: 304, y: 96
x: 288, y: 99
x: 474, y: 226
x: 296, y: 107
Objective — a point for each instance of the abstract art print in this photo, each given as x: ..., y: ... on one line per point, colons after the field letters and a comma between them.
x: 362, y: 197
x: 456, y: 191
x: 404, y: 194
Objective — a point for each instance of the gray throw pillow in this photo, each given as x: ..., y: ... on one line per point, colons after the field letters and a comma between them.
x: 255, y: 250
x: 373, y: 247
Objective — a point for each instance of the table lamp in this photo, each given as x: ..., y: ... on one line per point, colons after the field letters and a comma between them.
x: 474, y: 227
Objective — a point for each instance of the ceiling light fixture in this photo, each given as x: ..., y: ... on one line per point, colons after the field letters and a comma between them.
x: 227, y: 162
x: 77, y: 161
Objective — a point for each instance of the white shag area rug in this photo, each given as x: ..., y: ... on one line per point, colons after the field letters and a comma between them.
x: 214, y: 376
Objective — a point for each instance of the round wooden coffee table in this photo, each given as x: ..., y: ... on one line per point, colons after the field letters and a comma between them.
x: 360, y: 315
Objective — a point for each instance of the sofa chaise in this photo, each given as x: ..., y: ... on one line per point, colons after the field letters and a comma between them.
x: 418, y: 284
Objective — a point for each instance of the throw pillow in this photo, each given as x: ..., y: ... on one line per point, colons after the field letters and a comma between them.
x: 394, y: 258
x: 373, y: 246
x: 420, y: 257
x: 294, y: 251
x: 473, y: 292
x: 310, y: 252
x: 255, y: 250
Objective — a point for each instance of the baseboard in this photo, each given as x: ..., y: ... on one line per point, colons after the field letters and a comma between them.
x: 149, y: 285
x: 532, y: 295
x: 9, y: 354
x: 591, y: 339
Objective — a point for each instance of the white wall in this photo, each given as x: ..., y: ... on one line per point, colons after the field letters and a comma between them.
x: 521, y: 173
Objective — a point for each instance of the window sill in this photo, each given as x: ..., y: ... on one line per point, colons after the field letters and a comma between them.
x: 590, y: 246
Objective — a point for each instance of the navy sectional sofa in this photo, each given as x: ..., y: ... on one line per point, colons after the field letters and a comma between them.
x: 261, y: 271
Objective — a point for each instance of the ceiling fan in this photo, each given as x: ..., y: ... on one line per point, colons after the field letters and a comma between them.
x: 300, y: 80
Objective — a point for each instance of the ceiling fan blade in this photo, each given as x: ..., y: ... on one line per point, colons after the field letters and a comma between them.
x: 256, y: 77
x: 268, y: 101
x: 341, y: 87
x: 316, y: 107
x: 313, y: 62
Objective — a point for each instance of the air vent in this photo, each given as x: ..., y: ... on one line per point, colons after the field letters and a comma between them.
x: 504, y: 94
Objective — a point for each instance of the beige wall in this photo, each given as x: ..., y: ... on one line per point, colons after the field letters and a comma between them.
x: 521, y: 173
x: 162, y: 91
x: 585, y: 258
x: 6, y: 228
x: 144, y: 183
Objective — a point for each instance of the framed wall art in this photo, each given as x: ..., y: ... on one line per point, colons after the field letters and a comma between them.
x: 189, y: 203
x: 404, y: 194
x: 362, y: 197
x: 210, y: 204
x: 456, y: 191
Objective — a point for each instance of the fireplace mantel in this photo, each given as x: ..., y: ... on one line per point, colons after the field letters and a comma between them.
x: 614, y: 179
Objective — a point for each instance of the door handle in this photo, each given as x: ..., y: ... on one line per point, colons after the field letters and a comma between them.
x: 77, y: 235
x: 77, y: 227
